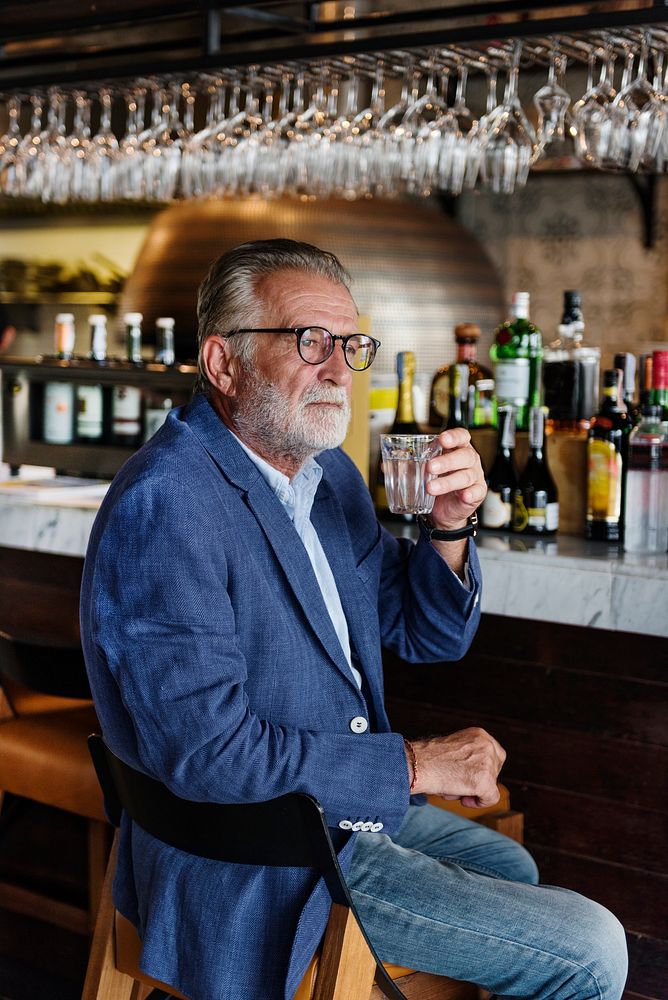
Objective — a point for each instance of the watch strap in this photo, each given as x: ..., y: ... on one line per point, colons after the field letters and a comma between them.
x: 433, y: 534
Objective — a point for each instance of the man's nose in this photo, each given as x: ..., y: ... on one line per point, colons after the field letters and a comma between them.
x: 335, y: 367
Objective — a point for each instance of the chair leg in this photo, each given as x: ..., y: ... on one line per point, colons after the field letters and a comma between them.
x: 99, y: 837
x: 347, y: 967
x: 103, y: 980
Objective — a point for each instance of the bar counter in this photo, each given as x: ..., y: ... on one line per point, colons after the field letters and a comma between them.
x: 564, y: 579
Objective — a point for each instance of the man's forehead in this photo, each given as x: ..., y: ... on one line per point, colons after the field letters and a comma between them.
x: 292, y: 294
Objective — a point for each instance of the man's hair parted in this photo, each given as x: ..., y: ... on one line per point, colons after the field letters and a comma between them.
x: 227, y: 299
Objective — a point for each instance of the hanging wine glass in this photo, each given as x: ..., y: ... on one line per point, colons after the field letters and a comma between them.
x: 273, y: 139
x: 128, y: 164
x: 28, y: 180
x: 9, y: 144
x: 391, y: 130
x: 372, y: 177
x: 160, y: 146
x: 555, y: 132
x: 428, y: 127
x: 478, y: 134
x: 590, y: 114
x: 237, y: 163
x: 638, y: 119
x: 466, y: 148
x: 102, y: 155
x: 78, y: 146
x: 510, y: 141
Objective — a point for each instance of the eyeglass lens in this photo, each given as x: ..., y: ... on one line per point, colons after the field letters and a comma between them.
x: 316, y: 345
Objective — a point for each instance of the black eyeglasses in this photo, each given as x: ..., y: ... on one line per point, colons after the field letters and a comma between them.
x: 315, y: 344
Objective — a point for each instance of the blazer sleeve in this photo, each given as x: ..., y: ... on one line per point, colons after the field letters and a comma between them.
x: 157, y: 617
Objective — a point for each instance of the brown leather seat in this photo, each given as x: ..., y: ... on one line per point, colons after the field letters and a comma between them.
x: 44, y: 758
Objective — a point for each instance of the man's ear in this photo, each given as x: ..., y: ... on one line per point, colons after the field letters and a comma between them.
x: 220, y: 368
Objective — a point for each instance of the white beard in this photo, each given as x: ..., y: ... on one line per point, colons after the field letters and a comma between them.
x: 264, y: 416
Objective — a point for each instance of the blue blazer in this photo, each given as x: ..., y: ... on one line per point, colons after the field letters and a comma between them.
x: 215, y: 668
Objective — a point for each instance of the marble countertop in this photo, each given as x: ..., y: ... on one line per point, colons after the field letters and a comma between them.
x: 565, y: 579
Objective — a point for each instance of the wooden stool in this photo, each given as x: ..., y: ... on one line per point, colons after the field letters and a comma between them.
x: 345, y: 966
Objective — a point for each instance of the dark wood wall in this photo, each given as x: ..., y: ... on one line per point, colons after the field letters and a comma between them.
x: 583, y: 716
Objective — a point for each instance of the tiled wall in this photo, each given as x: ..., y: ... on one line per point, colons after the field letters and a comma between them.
x: 582, y: 231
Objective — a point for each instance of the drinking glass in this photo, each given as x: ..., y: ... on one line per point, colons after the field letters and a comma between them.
x: 555, y: 132
x: 429, y: 129
x: 405, y: 458
x: 78, y: 146
x: 638, y: 121
x: 28, y: 175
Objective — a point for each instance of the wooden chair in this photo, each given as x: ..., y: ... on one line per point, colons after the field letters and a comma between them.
x: 288, y: 831
x: 46, y: 716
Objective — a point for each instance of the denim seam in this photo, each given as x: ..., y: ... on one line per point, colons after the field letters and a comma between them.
x: 467, y: 930
x: 473, y: 867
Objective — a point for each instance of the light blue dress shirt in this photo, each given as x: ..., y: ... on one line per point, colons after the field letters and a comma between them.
x: 297, y: 497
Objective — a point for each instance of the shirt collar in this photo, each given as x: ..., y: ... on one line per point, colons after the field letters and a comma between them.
x: 296, y: 494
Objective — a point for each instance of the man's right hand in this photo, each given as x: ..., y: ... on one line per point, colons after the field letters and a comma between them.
x: 463, y: 765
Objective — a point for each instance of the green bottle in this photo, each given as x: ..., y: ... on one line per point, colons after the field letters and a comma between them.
x: 517, y: 354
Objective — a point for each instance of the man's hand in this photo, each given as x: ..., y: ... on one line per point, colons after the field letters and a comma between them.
x: 460, y: 487
x: 463, y: 765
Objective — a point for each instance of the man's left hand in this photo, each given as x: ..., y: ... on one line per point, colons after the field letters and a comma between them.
x: 460, y: 484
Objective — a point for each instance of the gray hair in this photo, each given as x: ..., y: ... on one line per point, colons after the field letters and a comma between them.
x: 228, y: 297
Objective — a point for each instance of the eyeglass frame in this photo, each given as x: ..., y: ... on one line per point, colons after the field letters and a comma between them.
x: 299, y: 332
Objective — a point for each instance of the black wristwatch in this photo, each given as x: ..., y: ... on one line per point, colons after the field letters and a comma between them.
x: 433, y: 534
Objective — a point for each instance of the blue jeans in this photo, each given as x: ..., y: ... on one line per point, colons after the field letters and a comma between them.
x: 449, y: 896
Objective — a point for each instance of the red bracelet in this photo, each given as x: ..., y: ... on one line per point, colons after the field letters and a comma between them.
x: 413, y: 759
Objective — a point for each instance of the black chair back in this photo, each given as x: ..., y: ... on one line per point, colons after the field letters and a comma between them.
x: 47, y: 666
x: 288, y: 831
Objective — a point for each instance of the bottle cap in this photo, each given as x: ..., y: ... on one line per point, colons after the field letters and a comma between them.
x: 660, y: 369
x: 131, y: 319
x: 521, y: 299
x: 165, y: 322
x: 467, y: 331
x: 610, y: 377
x: 572, y: 298
x: 65, y: 318
x: 97, y: 319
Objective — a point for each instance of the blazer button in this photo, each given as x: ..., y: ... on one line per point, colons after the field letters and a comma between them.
x: 358, y: 826
x: 376, y: 827
x: 345, y: 824
x: 359, y: 724
x: 367, y: 827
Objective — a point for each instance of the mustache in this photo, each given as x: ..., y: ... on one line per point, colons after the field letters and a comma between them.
x: 324, y: 394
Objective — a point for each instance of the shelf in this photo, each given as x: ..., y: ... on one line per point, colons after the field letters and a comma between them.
x: 59, y: 298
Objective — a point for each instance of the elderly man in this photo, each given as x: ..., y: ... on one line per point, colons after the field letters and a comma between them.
x: 236, y: 593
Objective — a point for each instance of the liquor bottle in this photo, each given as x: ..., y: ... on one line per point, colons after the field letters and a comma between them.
x: 497, y: 508
x: 466, y: 338
x: 535, y: 500
x: 404, y: 423
x: 571, y: 371
x: 607, y: 460
x: 126, y: 399
x: 90, y: 398
x: 659, y: 394
x: 64, y: 336
x: 58, y: 400
x: 646, y: 502
x: 156, y: 407
x: 645, y: 380
x: 512, y: 353
x: 133, y: 337
x: 164, y: 340
x: 457, y: 403
x: 626, y: 363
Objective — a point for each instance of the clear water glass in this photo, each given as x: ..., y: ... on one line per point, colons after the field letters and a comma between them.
x: 405, y: 458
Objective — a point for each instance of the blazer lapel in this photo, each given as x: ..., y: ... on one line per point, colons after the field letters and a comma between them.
x: 288, y: 548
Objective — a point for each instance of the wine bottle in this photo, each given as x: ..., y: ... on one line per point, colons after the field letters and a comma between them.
x: 58, y: 407
x: 607, y: 460
x: 458, y: 396
x: 626, y: 363
x: 515, y: 354
x: 164, y: 340
x: 404, y: 423
x: 90, y: 398
x: 497, y: 508
x: 466, y: 338
x: 126, y: 399
x: 535, y: 500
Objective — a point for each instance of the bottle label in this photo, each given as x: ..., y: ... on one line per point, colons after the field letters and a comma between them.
x: 604, y: 483
x: 58, y: 412
x: 89, y: 411
x: 126, y: 410
x: 64, y: 336
x: 552, y: 516
x: 512, y: 379
x: 496, y: 513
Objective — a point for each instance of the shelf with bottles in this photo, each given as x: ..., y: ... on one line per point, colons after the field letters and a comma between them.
x: 85, y: 417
